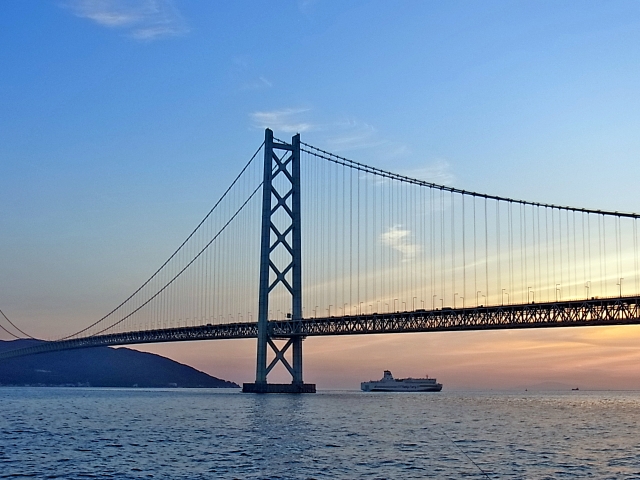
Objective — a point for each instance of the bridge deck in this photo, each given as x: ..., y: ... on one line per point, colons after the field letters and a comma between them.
x: 604, y: 311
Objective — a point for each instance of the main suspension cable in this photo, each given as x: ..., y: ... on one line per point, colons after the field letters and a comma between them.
x: 318, y: 152
x: 186, y: 266
x: 14, y: 326
x: 172, y: 255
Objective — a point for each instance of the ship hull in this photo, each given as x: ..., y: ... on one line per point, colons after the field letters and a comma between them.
x: 389, y: 384
x: 393, y: 389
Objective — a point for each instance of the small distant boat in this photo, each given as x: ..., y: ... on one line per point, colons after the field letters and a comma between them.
x: 390, y: 384
x: 575, y: 388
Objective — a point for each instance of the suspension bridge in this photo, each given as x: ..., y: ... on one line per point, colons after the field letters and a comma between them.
x: 308, y: 243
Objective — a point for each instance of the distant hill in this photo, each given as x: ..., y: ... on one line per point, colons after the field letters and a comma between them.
x: 100, y: 367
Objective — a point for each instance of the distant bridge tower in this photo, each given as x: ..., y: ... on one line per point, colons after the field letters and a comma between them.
x: 280, y: 226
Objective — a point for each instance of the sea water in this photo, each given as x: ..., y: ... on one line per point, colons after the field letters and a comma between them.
x: 79, y: 433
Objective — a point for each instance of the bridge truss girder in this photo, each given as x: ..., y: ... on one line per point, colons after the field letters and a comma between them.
x: 596, y: 312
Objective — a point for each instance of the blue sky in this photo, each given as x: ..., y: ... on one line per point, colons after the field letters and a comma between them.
x: 122, y: 121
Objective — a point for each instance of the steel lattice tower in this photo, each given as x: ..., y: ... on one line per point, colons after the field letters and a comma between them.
x: 283, y: 198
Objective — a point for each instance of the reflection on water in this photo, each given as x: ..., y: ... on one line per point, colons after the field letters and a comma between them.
x: 82, y: 433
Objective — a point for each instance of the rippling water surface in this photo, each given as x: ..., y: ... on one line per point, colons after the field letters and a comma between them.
x: 107, y: 433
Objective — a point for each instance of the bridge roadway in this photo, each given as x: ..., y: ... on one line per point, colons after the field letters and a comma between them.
x: 600, y: 311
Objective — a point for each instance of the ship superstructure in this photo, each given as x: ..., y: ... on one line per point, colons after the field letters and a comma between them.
x: 390, y: 384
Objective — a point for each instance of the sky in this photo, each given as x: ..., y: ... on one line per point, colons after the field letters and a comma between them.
x: 121, y: 123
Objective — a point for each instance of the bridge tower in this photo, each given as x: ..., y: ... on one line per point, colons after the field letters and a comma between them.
x: 281, y: 200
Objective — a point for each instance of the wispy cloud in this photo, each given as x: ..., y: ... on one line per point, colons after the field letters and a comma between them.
x: 243, y: 72
x: 340, y: 136
x: 400, y: 239
x: 438, y: 172
x: 259, y: 83
x: 305, y: 5
x: 288, y: 120
x: 141, y: 19
x: 353, y: 135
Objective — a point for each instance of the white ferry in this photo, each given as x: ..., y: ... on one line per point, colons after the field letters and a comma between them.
x: 390, y: 384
